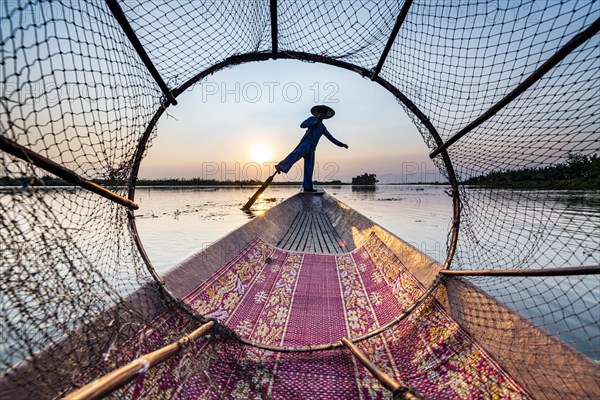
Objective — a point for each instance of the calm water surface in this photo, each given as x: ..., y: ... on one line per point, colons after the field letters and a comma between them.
x: 174, y: 223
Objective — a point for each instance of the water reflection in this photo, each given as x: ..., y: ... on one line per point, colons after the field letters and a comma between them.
x: 174, y: 223
x: 364, y: 189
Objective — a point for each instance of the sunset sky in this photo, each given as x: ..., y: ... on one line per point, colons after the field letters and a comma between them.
x: 247, y: 117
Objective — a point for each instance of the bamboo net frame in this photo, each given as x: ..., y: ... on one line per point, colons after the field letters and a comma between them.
x: 555, y: 50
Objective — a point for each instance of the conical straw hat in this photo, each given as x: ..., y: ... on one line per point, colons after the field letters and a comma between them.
x: 326, y: 111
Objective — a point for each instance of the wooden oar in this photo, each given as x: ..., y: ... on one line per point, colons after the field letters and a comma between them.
x: 260, y: 190
x: 267, y: 182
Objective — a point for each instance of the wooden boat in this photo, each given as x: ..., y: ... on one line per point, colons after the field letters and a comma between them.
x: 311, y: 299
x: 451, y: 354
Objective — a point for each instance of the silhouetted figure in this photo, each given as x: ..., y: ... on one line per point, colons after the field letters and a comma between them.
x: 308, y: 144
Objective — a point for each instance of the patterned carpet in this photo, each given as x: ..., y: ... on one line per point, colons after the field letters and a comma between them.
x: 284, y: 298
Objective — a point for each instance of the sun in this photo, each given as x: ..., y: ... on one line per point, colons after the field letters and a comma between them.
x: 260, y: 153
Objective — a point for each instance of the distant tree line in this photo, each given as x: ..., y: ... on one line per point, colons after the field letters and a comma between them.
x: 48, y: 180
x: 578, y: 172
x: 365, y: 179
x: 32, y: 181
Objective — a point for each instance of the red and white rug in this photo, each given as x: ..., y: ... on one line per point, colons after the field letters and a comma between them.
x: 283, y: 298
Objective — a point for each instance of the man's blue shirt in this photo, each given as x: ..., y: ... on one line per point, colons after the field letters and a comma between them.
x: 315, y: 130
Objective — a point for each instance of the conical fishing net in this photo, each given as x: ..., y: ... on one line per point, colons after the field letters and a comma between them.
x: 514, y: 87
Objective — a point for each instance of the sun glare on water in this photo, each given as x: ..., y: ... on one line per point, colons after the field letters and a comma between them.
x: 260, y: 153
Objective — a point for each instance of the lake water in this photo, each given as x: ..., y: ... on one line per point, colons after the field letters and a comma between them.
x: 174, y: 223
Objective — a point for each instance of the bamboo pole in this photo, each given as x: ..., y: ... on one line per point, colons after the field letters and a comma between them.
x: 566, y: 271
x: 398, y: 391
x: 386, y: 380
x: 260, y: 190
x: 116, y: 379
x: 55, y: 168
x: 392, y: 37
x: 119, y: 15
x: 535, y: 76
x: 274, y: 42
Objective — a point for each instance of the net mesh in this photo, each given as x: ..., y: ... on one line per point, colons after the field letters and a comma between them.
x: 74, y: 90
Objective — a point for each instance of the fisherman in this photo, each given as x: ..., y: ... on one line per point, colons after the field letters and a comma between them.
x: 308, y: 144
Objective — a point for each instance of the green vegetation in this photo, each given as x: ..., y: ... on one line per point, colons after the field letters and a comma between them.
x: 214, y: 182
x: 32, y: 181
x: 365, y: 179
x: 194, y: 182
x: 578, y: 172
x: 46, y: 180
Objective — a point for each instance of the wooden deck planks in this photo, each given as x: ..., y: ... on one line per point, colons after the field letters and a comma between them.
x: 330, y: 235
x: 300, y: 239
x: 293, y: 232
x: 312, y: 232
x: 320, y: 244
